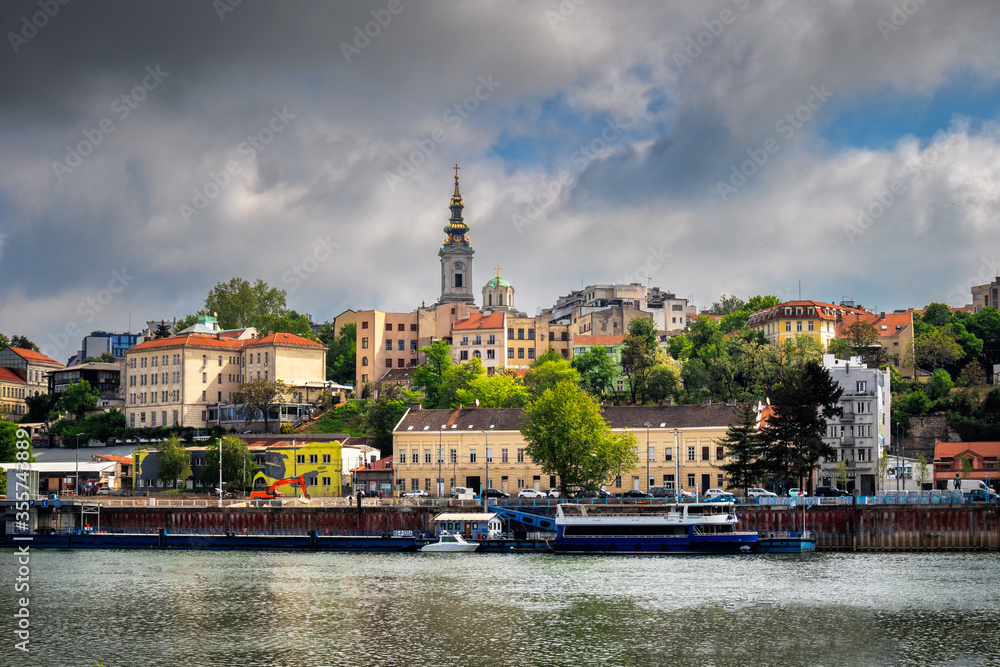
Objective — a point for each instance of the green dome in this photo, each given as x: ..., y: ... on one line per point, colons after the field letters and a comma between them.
x: 497, y: 282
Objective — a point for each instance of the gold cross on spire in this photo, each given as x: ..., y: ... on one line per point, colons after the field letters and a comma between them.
x: 497, y: 267
x: 456, y: 168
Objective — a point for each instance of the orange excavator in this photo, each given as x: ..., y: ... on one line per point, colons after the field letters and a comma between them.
x: 270, y: 493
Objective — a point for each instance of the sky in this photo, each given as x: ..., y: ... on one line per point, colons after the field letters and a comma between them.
x: 149, y: 151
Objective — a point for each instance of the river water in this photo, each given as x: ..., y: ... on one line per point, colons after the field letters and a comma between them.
x: 239, y: 608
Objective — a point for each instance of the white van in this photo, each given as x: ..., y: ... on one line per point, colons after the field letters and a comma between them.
x: 968, y: 485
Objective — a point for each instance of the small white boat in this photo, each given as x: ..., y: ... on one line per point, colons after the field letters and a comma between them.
x: 450, y: 542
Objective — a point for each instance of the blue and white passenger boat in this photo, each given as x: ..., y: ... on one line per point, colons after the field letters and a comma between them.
x: 696, y: 528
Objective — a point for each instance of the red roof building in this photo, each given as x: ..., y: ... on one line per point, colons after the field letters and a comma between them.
x: 948, y: 462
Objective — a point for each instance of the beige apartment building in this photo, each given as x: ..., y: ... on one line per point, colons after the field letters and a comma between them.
x: 438, y: 449
x: 895, y: 332
x: 185, y: 380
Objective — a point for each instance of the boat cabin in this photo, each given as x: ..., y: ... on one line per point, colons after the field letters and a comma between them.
x: 471, y: 525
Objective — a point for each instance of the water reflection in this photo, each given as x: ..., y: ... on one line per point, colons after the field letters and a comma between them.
x: 190, y: 608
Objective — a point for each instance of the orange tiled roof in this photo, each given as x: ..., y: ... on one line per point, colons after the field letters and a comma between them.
x: 585, y: 340
x: 117, y: 459
x: 382, y: 464
x: 953, y: 449
x: 821, y: 311
x: 11, y: 375
x: 205, y: 340
x: 31, y: 355
x: 282, y: 339
x: 877, y: 320
x: 480, y: 321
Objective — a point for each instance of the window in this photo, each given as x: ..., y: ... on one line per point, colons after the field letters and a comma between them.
x: 313, y: 458
x: 520, y: 482
x: 326, y: 481
x: 510, y: 353
x: 300, y: 458
x: 862, y: 385
x: 472, y: 456
x: 204, y: 396
x: 690, y: 479
x: 651, y: 453
x: 463, y: 355
x: 489, y: 456
x: 510, y: 334
x: 415, y: 456
x: 718, y: 481
x: 798, y: 325
x: 691, y: 454
x: 458, y: 280
x: 531, y: 353
x: 453, y: 456
x: 720, y: 453
x: 414, y: 484
x: 326, y: 459
x: 788, y: 325
x: 364, y: 361
x: 427, y: 456
x: 413, y: 347
x: 810, y: 325
x: 520, y: 455
x: 668, y: 454
x: 388, y: 363
x: 520, y: 334
x: 520, y: 353
x: 204, y: 378
x: 364, y: 343
x: 364, y: 325
x: 402, y: 456
x: 492, y: 340
x: 413, y: 327
x: 204, y: 360
x: 503, y: 455
x: 491, y: 354
x: 704, y: 453
x: 531, y: 334
x: 388, y: 344
x: 388, y: 326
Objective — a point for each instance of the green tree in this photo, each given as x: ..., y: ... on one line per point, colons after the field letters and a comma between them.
x: 567, y: 436
x: 662, y: 383
x: 22, y: 343
x: 801, y: 349
x: 937, y: 314
x: 174, y: 461
x: 923, y: 471
x: 639, y: 355
x: 500, y: 390
x: 840, y: 348
x: 380, y: 419
x: 341, y: 355
x: 458, y: 378
x: 78, y: 398
x: 40, y: 408
x: 547, y: 371
x: 4, y: 341
x: 260, y: 395
x: 744, y: 449
x: 881, y: 468
x: 288, y: 322
x: 102, y: 358
x: 936, y: 349
x: 162, y: 331
x: 240, y: 304
x: 972, y: 375
x: 727, y: 304
x: 237, y: 462
x: 188, y: 321
x: 841, y: 475
x: 941, y: 384
x: 9, y: 450
x: 429, y: 376
x: 598, y: 371
x: 967, y: 466
x: 802, y: 403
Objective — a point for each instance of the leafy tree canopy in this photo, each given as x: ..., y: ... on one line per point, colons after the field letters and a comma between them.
x: 102, y: 358
x: 500, y: 390
x: 429, y: 377
x: 598, y: 371
x: 744, y: 449
x: 236, y: 461
x: 240, y: 304
x: 567, y: 436
x: 174, y: 460
x: 258, y: 396
x: 547, y: 371
x: 23, y: 343
x: 78, y: 398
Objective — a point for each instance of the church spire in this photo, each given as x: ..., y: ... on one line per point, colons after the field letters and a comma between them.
x: 457, y: 230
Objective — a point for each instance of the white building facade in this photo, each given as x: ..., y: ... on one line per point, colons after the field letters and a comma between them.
x: 861, y: 434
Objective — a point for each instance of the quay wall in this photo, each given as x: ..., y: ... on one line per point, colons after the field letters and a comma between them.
x: 884, y: 527
x: 836, y: 527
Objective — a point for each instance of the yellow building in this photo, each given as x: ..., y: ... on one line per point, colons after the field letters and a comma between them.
x: 318, y: 461
x: 180, y: 380
x: 13, y: 390
x: 794, y: 318
x: 435, y: 450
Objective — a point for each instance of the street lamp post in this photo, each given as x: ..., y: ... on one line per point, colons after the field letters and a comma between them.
x: 486, y: 482
x: 647, y: 456
x: 677, y: 465
x: 220, y: 472
x: 897, y: 457
x: 440, y: 484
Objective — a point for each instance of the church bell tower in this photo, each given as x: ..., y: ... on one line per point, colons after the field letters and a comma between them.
x: 456, y: 256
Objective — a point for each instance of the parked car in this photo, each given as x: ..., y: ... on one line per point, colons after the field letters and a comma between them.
x: 530, y: 493
x: 103, y: 491
x: 685, y: 494
x: 495, y: 493
x: 416, y: 493
x: 554, y: 493
x: 709, y: 493
x: 829, y: 492
x: 661, y: 492
x: 795, y: 493
x: 760, y: 493
x: 981, y: 496
x: 635, y: 493
x: 599, y: 493
x: 723, y: 498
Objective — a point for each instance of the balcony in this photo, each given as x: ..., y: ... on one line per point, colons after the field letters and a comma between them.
x: 847, y: 417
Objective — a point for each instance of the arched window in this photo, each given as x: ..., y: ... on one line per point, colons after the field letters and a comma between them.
x: 490, y: 299
x: 364, y: 361
x: 477, y: 354
x: 501, y: 298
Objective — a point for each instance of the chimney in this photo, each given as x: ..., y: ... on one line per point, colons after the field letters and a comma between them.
x: 416, y: 406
